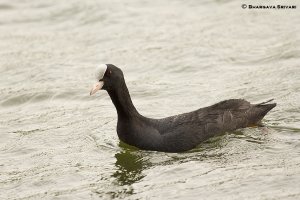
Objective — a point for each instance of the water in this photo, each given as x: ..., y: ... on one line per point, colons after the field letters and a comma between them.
x: 57, y: 142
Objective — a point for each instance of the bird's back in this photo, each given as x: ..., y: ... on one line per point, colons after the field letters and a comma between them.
x: 185, y: 131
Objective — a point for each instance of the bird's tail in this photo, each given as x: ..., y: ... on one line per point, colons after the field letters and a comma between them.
x: 258, y: 111
x: 266, y: 102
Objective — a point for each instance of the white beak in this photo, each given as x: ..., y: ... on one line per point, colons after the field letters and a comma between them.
x: 96, y: 87
x: 100, y: 71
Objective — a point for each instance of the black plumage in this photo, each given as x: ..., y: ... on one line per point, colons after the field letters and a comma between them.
x: 180, y: 132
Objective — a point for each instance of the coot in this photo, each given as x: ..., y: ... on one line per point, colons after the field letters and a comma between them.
x: 176, y: 133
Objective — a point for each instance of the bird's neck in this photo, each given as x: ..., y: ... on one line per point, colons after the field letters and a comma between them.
x: 122, y: 101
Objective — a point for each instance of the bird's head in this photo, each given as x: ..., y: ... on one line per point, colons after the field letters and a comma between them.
x: 108, y: 77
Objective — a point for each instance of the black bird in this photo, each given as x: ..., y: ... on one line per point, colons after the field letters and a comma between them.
x: 176, y: 133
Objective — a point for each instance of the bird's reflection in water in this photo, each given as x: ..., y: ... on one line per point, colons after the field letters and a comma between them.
x: 129, y: 165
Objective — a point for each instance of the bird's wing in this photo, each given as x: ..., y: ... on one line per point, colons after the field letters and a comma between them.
x: 189, y: 129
